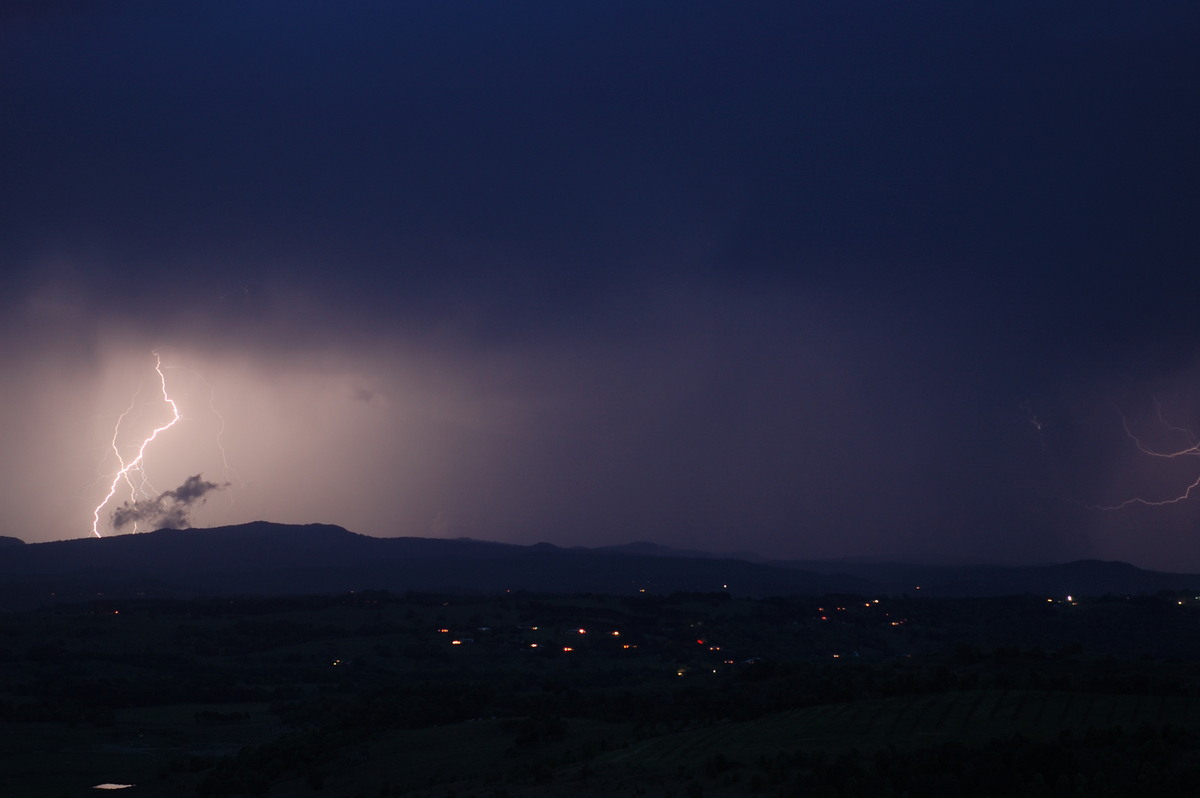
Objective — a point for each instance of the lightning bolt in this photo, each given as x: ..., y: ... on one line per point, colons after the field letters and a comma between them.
x: 1187, y: 433
x: 1034, y: 422
x: 1031, y: 417
x: 230, y: 473
x: 1191, y: 450
x: 127, y: 469
x: 146, y: 488
x: 1187, y: 494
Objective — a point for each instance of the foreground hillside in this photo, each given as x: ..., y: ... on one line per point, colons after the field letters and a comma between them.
x: 378, y: 694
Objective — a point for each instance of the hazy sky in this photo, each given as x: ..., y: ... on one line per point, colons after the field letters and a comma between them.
x: 811, y: 279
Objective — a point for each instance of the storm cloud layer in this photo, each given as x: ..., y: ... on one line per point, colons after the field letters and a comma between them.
x: 821, y: 279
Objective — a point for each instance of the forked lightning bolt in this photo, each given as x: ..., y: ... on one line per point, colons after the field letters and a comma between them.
x: 127, y: 469
x: 230, y: 472
x: 1192, y: 450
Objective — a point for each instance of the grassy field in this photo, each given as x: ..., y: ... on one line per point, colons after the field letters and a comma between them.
x: 971, y: 717
x: 58, y: 759
x: 369, y: 695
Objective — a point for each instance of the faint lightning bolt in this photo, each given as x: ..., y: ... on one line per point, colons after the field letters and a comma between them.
x: 1191, y: 450
x: 1030, y: 416
x: 230, y: 472
x: 146, y: 488
x: 1187, y: 433
x: 126, y: 469
x: 1034, y: 421
x: 1187, y: 494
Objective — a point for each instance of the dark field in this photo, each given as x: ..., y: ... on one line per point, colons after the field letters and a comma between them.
x: 372, y: 694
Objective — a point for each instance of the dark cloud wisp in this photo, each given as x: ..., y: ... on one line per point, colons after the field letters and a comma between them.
x: 170, y: 508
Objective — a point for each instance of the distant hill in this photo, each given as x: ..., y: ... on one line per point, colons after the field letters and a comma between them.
x: 655, y: 550
x: 263, y: 558
x: 1081, y: 578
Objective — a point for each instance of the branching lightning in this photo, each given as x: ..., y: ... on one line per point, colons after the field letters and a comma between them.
x: 145, y: 503
x: 230, y: 473
x: 1191, y: 450
x: 127, y: 469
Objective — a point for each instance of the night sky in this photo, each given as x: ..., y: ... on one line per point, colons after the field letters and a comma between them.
x: 809, y: 279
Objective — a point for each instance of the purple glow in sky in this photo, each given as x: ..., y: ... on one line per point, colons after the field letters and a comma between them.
x: 814, y: 280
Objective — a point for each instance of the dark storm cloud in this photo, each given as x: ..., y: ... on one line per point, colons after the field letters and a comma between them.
x: 519, y: 167
x: 795, y: 273
x: 171, y: 508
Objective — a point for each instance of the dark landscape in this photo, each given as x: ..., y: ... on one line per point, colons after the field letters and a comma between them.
x: 229, y: 661
x: 714, y: 398
x: 266, y: 559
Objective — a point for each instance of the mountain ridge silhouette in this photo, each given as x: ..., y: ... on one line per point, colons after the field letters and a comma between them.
x: 263, y: 558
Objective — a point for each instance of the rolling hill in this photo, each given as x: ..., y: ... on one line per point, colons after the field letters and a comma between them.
x: 262, y: 558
